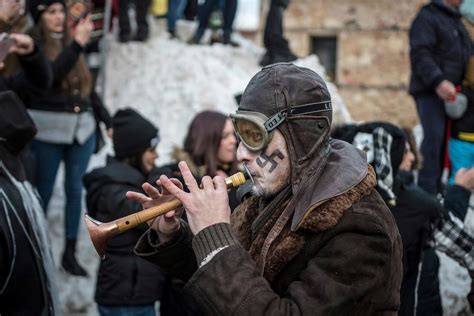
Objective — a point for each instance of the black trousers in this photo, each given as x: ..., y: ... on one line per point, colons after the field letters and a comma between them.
x: 141, y: 9
x: 273, y: 36
x: 433, y: 120
x: 205, y: 10
x: 429, y: 298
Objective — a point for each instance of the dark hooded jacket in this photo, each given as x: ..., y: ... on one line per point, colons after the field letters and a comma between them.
x: 329, y: 246
x: 24, y: 250
x: 123, y: 278
x: 35, y: 76
x: 440, y: 48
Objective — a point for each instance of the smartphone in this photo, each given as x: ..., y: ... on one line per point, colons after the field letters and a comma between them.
x: 5, y: 43
x: 77, y: 11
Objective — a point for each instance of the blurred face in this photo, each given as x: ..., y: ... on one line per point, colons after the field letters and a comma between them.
x: 148, y: 158
x: 53, y: 18
x: 226, y: 151
x: 270, y: 167
x: 408, y: 159
x: 10, y: 10
x: 453, y: 3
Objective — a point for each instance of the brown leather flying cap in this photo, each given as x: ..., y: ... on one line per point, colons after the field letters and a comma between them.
x: 282, y: 86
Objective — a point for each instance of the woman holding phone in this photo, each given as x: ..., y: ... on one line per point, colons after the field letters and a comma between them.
x: 66, y: 116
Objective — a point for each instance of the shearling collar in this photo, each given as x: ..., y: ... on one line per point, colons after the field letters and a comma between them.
x: 288, y: 244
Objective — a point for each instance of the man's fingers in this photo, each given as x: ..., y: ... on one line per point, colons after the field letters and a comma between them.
x: 174, y: 180
x: 219, y: 183
x: 177, y: 182
x: 139, y: 197
x: 207, y: 183
x: 172, y: 188
x: 188, y: 176
x: 151, y: 190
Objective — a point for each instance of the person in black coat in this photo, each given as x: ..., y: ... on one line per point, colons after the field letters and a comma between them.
x: 27, y: 283
x: 420, y: 217
x: 124, y: 280
x: 439, y: 51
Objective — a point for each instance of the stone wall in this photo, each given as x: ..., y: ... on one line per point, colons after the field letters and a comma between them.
x: 372, y: 69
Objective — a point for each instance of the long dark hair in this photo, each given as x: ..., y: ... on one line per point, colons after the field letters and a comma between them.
x: 53, y: 47
x: 203, y: 140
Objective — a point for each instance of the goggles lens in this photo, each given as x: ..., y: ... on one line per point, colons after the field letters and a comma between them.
x: 250, y: 133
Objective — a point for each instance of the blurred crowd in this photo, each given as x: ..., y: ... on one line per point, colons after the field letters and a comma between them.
x: 51, y: 112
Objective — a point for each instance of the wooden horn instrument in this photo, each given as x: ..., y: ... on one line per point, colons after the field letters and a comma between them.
x: 101, y: 232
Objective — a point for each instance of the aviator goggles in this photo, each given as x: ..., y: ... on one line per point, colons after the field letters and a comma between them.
x: 254, y: 129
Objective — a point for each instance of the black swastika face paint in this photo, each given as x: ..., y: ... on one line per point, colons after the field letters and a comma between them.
x: 263, y: 160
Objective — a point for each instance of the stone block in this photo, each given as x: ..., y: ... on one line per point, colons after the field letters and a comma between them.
x: 392, y: 105
x: 352, y: 14
x: 373, y: 58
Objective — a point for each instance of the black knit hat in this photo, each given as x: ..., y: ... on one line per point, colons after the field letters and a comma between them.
x: 16, y: 126
x: 133, y: 134
x: 37, y: 7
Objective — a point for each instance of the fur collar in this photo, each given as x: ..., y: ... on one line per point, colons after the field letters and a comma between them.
x: 179, y: 154
x: 288, y: 244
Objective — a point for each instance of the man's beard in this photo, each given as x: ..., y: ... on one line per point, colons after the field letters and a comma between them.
x: 258, y: 191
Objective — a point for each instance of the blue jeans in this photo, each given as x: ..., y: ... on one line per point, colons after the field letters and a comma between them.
x: 461, y: 154
x: 142, y: 310
x: 433, y: 120
x: 76, y: 158
x: 175, y: 12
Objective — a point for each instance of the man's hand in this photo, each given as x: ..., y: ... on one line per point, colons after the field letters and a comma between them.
x: 82, y: 32
x: 204, y: 206
x: 446, y: 90
x: 465, y: 178
x: 22, y: 44
x: 166, y: 225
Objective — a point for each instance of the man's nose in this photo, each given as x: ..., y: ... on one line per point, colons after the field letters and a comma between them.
x: 243, y: 154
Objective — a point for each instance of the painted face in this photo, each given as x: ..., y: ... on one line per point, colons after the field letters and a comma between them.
x: 148, y: 158
x: 270, y: 167
x: 226, y: 151
x: 53, y: 18
x: 408, y: 159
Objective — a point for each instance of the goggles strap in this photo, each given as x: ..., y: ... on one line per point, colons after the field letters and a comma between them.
x: 308, y: 108
x: 275, y: 120
x: 311, y: 107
